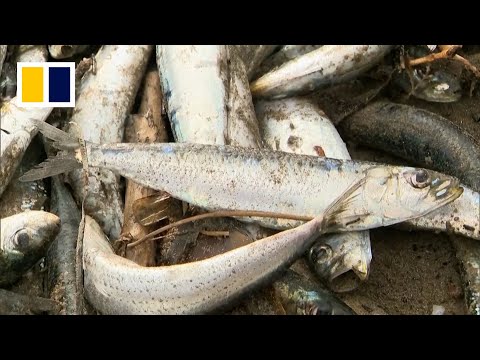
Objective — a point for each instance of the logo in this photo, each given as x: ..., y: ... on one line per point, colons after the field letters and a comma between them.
x: 46, y: 84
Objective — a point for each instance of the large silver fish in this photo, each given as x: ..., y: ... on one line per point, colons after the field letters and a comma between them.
x: 328, y: 65
x: 115, y: 285
x: 24, y: 239
x: 298, y: 126
x: 234, y: 178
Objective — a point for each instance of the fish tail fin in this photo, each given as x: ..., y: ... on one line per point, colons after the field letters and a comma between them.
x: 338, y: 214
x: 69, y: 158
x: 54, y: 165
x: 61, y: 140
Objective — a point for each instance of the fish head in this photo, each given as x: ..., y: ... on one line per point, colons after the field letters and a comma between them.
x: 335, y: 254
x: 28, y: 233
x: 388, y: 195
x: 441, y: 86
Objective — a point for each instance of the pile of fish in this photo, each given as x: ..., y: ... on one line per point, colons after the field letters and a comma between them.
x: 188, y: 178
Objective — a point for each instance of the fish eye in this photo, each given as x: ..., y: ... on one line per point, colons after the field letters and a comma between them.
x: 320, y: 253
x: 21, y: 239
x: 420, y: 179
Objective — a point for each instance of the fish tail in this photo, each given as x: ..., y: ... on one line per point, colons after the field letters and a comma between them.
x: 69, y: 158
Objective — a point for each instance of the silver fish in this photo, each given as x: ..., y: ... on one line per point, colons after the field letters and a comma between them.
x: 107, y: 97
x: 296, y: 125
x: 115, y: 285
x: 20, y: 196
x: 65, y: 51
x: 207, y: 94
x: 16, y: 129
x: 328, y: 65
x: 234, y: 178
x: 253, y: 55
x: 24, y: 239
x: 61, y: 256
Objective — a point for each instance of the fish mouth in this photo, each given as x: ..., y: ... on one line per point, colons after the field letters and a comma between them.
x: 49, y: 228
x: 445, y: 190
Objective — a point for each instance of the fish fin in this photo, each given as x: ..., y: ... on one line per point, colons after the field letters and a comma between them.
x: 152, y: 209
x: 337, y: 215
x: 61, y: 139
x: 52, y: 166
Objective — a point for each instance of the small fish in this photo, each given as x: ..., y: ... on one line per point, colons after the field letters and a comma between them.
x: 328, y: 65
x: 233, y: 178
x: 65, y: 51
x: 439, y: 86
x: 21, y: 196
x: 298, y: 126
x: 115, y: 285
x: 24, y: 239
x: 300, y: 296
x: 106, y: 96
x: 61, y: 256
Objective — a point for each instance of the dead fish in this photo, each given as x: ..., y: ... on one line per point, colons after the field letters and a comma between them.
x: 207, y: 94
x: 107, y: 97
x: 300, y: 296
x: 233, y: 178
x: 20, y: 196
x: 12, y: 303
x: 298, y: 126
x: 428, y: 139
x: 24, y: 239
x: 439, y: 86
x: 253, y: 55
x: 328, y: 65
x: 284, y: 54
x: 17, y: 131
x: 61, y: 256
x: 115, y: 285
x: 65, y: 51
x: 16, y: 134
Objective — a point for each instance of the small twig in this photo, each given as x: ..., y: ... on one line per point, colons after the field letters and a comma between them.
x: 448, y: 51
x: 222, y: 213
x: 468, y: 65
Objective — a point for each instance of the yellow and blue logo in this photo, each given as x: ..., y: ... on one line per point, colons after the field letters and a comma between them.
x: 46, y: 84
